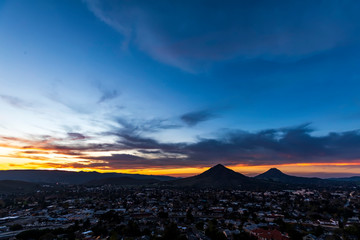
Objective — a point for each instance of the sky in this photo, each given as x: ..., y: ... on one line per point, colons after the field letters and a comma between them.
x: 175, y: 87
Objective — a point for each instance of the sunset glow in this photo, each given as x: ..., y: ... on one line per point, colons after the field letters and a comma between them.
x: 37, y: 158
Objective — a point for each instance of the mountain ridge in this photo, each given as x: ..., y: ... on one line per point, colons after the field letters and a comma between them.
x: 275, y: 175
x: 216, y: 176
x: 68, y: 177
x: 220, y: 176
x: 122, y: 181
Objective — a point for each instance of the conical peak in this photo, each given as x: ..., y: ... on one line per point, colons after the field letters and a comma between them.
x: 219, y: 166
x: 274, y: 172
x: 218, y: 169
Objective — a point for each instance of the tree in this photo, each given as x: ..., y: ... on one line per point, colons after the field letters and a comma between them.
x: 189, y: 216
x: 212, y: 231
x: 132, y: 229
x: 15, y: 227
x: 171, y: 232
x: 200, y: 226
x: 163, y: 215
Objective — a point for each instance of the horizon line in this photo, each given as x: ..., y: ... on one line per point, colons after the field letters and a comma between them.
x: 182, y: 175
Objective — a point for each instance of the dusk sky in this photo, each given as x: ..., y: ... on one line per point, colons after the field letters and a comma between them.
x: 175, y: 87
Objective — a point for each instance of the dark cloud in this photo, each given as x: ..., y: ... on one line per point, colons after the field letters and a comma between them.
x: 271, y: 146
x: 76, y: 136
x: 189, y: 34
x: 122, y: 161
x: 140, y: 126
x: 136, y: 141
x: 194, y: 118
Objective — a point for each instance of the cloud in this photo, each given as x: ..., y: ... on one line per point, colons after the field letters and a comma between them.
x: 141, y: 126
x: 270, y: 146
x: 124, y: 161
x: 15, y: 101
x: 76, y: 136
x: 194, y: 118
x: 149, y: 151
x: 71, y: 104
x: 191, y: 34
x: 108, y: 95
x: 132, y: 150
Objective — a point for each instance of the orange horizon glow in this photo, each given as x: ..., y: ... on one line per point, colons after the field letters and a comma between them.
x: 16, y: 157
x: 299, y: 169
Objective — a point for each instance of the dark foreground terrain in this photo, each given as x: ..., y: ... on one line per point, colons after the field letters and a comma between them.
x: 117, y: 212
x: 217, y: 204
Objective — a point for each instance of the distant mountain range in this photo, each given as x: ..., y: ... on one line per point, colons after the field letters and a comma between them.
x: 220, y: 176
x: 275, y: 175
x: 122, y: 181
x: 68, y: 177
x: 216, y: 177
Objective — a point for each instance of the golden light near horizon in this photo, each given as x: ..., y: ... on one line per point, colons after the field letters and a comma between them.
x: 37, y: 158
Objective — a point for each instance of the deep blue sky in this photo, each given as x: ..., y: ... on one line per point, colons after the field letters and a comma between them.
x: 180, y: 73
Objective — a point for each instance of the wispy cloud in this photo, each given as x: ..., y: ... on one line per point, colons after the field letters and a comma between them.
x: 194, y: 118
x: 76, y: 136
x: 144, y: 126
x: 106, y: 93
x: 132, y: 150
x: 15, y: 101
x: 216, y: 31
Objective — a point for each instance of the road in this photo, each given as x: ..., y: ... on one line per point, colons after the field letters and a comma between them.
x: 349, y: 199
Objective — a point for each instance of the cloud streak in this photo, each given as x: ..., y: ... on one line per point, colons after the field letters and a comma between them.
x: 215, y: 31
x: 108, y: 95
x: 131, y: 150
x: 15, y: 101
x: 194, y: 118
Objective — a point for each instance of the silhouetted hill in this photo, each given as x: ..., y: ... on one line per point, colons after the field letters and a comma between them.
x: 123, y: 181
x: 276, y: 175
x: 220, y: 176
x: 10, y: 186
x: 217, y: 176
x: 68, y: 177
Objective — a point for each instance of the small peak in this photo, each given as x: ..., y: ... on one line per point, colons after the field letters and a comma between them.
x: 271, y: 173
x: 274, y: 172
x: 219, y: 166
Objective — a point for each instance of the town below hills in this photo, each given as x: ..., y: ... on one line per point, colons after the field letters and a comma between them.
x: 216, y: 204
x: 218, y: 176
